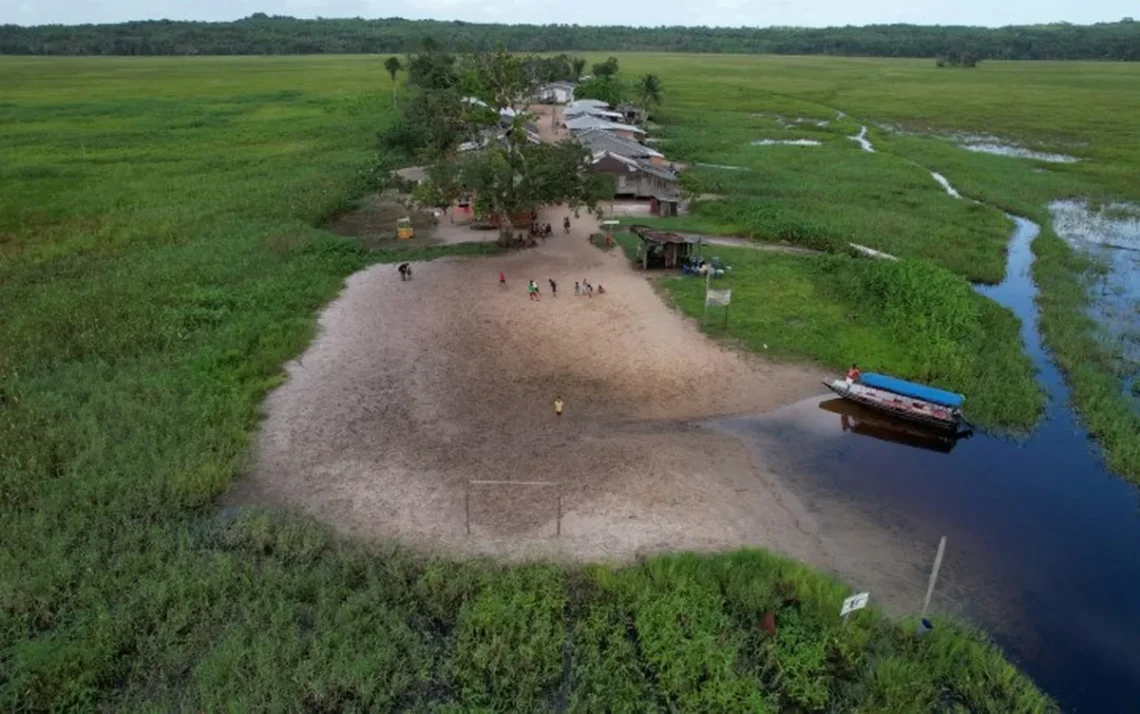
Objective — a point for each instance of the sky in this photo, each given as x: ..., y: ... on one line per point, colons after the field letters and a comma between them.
x: 733, y: 13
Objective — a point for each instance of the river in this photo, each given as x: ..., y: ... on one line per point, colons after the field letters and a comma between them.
x: 1043, y: 542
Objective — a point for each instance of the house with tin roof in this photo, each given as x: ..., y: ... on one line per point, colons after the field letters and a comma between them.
x: 598, y: 140
x: 584, y: 123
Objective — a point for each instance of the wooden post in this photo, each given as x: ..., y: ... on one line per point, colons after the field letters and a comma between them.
x: 467, y: 505
x: 934, y: 574
x: 558, y: 523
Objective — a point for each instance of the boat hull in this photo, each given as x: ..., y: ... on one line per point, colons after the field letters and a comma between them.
x: 904, y: 407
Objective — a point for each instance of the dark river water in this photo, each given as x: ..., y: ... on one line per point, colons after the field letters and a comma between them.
x: 1043, y: 542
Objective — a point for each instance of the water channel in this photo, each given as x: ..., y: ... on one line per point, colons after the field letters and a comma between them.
x: 1044, y: 542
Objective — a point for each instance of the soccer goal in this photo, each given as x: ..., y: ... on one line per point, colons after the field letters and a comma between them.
x: 543, y: 494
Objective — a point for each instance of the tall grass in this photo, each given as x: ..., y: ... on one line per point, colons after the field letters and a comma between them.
x: 907, y: 318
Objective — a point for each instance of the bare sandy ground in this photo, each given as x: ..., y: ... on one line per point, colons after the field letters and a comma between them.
x: 414, y: 389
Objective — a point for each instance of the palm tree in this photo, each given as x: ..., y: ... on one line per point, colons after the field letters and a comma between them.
x: 579, y: 66
x: 392, y: 64
x: 649, y: 90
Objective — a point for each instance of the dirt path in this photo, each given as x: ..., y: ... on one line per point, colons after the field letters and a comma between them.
x: 411, y: 390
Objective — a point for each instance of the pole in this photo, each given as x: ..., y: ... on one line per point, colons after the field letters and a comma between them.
x: 708, y: 281
x: 558, y: 524
x: 934, y: 574
x: 467, y: 505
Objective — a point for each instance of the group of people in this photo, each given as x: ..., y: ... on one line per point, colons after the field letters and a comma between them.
x: 533, y: 292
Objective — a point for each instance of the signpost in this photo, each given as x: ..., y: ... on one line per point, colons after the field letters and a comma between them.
x: 858, y: 601
x: 934, y: 574
x: 718, y: 298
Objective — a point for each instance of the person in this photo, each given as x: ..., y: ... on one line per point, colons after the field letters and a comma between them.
x: 853, y: 375
x: 553, y: 287
x: 549, y: 230
x: 502, y: 279
x: 566, y: 224
x: 532, y: 289
x: 577, y: 289
x: 558, y: 405
x: 601, y: 290
x: 589, y: 290
x: 405, y: 271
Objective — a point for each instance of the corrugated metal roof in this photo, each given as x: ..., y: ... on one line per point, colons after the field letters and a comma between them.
x: 585, y: 123
x: 599, y: 140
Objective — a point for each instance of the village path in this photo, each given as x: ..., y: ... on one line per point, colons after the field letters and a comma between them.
x: 549, y: 118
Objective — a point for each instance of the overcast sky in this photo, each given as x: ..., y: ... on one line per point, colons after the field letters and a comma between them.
x: 733, y: 13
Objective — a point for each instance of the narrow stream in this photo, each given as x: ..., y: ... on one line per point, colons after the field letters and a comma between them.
x: 1043, y: 541
x: 862, y: 140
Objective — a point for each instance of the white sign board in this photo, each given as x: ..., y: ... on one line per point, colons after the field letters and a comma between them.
x: 718, y: 297
x: 853, y: 603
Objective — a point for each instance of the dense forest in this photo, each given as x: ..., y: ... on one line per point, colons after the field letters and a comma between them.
x: 260, y: 34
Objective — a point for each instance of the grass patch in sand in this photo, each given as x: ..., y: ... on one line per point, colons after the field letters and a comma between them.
x: 909, y: 318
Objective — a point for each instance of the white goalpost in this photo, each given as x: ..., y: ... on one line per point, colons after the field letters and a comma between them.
x: 556, y: 485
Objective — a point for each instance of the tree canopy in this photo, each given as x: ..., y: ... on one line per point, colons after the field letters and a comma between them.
x: 480, y: 100
x: 260, y: 34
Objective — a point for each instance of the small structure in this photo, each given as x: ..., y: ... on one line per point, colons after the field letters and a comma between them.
x: 632, y: 114
x: 556, y: 93
x: 586, y: 123
x: 661, y: 249
x: 404, y: 228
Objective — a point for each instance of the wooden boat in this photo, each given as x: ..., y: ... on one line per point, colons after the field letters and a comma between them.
x: 905, y: 400
x: 864, y: 421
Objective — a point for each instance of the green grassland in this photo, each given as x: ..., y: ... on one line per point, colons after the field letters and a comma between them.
x: 824, y: 197
x: 160, y: 258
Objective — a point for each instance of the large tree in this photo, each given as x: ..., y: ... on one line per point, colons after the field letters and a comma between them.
x: 609, y: 68
x: 511, y: 175
x: 579, y: 66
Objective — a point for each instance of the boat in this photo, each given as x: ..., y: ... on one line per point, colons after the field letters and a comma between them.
x: 905, y: 400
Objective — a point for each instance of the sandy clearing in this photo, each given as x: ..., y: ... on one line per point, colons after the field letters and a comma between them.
x: 413, y: 389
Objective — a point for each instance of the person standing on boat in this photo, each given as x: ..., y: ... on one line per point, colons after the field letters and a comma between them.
x: 853, y: 374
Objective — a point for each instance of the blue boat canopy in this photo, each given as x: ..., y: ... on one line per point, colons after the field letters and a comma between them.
x: 910, y: 389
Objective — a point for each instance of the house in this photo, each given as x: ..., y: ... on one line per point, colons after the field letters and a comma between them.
x: 556, y: 93
x: 593, y: 112
x: 586, y: 103
x: 597, y: 141
x: 640, y: 179
x: 586, y: 123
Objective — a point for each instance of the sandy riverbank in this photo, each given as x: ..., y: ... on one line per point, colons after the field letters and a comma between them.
x: 411, y: 390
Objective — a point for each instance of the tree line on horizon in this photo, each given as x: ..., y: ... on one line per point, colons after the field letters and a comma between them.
x: 261, y: 34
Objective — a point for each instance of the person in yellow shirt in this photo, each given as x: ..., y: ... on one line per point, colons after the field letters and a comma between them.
x: 558, y: 405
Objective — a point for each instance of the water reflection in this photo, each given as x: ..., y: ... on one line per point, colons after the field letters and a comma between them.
x: 865, y: 422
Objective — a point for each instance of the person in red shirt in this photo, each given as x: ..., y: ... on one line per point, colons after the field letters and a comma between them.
x: 502, y: 279
x: 853, y: 375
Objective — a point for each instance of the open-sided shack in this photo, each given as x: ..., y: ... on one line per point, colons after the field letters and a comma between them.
x: 662, y: 249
